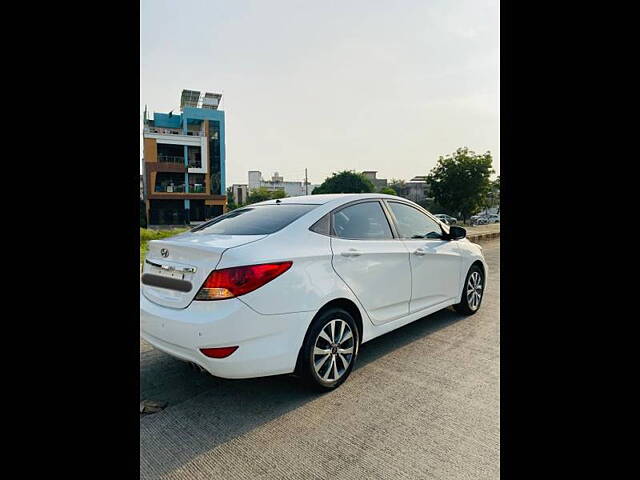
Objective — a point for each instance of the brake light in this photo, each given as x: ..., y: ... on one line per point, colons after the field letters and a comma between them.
x: 236, y: 281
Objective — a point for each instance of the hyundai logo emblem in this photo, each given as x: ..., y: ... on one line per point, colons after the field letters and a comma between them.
x: 164, y: 252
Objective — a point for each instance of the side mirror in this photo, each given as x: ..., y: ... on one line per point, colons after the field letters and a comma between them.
x: 456, y: 233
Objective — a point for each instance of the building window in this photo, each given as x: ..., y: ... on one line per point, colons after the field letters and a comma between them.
x: 194, y: 156
x: 171, y: 154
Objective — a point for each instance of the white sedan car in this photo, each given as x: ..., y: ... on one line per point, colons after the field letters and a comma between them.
x: 296, y: 285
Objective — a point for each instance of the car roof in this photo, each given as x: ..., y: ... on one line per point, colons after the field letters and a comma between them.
x: 326, y: 198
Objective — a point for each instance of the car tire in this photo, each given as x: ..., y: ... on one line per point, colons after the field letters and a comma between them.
x: 470, y: 302
x: 326, y: 371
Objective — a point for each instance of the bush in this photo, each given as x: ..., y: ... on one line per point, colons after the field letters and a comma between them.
x: 147, y: 235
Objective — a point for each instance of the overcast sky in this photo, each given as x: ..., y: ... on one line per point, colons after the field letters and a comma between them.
x: 331, y: 85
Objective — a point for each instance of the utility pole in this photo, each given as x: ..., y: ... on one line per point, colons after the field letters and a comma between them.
x: 306, y: 183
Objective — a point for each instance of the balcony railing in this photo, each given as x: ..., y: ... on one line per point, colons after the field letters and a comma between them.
x: 172, y: 131
x: 170, y: 188
x: 170, y: 159
x: 194, y: 188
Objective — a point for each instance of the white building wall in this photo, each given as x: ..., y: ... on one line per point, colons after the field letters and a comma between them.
x: 255, y: 178
x: 291, y: 189
x: 176, y: 139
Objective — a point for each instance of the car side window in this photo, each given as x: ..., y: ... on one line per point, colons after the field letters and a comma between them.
x: 412, y: 223
x: 362, y: 221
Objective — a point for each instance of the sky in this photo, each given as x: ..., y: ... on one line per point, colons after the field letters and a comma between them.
x: 332, y: 85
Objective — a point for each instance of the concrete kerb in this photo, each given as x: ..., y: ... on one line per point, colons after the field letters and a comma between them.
x: 479, y: 237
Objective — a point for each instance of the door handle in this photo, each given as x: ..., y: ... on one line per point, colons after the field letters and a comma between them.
x: 352, y: 252
x: 420, y: 251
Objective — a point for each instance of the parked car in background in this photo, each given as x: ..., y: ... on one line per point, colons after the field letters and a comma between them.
x: 298, y: 284
x: 478, y: 220
x: 446, y: 218
x: 484, y: 219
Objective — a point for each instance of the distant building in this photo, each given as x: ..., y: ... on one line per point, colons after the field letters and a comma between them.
x: 240, y: 193
x: 415, y: 189
x: 277, y: 182
x: 184, y: 161
x: 379, y: 183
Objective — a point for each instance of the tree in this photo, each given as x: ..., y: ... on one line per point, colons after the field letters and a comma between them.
x: 261, y: 194
x: 495, y: 187
x: 398, y: 185
x: 388, y: 191
x: 460, y: 182
x: 345, y: 182
x: 493, y: 195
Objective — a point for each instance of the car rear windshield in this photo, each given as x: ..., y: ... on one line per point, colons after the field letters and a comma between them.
x: 255, y: 220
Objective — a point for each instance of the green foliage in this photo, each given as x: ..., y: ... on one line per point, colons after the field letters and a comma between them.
x: 147, y: 235
x: 460, y: 182
x: 345, y: 182
x: 396, y: 183
x: 434, y: 207
x: 231, y: 204
x: 399, y: 186
x: 492, y: 197
x: 388, y: 191
x: 261, y: 194
x: 143, y: 214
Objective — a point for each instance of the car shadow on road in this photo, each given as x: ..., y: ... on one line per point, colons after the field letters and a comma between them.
x: 387, y: 343
x: 216, y: 410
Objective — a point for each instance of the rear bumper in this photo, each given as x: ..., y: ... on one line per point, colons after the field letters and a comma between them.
x: 267, y: 344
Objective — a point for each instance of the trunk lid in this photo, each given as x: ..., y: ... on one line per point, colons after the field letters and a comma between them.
x: 174, y: 264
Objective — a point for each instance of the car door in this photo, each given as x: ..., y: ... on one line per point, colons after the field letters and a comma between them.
x: 371, y: 262
x: 435, y: 262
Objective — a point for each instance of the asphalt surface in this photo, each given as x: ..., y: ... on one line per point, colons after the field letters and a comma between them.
x: 422, y: 402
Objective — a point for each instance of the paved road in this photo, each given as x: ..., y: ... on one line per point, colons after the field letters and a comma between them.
x: 423, y: 402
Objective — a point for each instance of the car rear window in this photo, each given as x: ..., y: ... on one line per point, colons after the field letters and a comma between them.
x: 255, y: 220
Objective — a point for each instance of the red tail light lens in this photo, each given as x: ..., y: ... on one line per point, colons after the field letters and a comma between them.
x: 220, y: 352
x: 236, y: 281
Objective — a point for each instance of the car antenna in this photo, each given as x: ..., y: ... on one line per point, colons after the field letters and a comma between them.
x: 278, y: 201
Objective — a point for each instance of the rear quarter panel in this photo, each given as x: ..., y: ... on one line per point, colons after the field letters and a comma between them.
x: 309, y: 284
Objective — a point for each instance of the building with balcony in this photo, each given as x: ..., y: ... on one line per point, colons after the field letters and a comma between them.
x: 277, y: 182
x: 184, y: 162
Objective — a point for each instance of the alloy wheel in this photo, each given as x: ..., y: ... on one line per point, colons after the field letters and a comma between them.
x: 333, y: 350
x: 474, y: 290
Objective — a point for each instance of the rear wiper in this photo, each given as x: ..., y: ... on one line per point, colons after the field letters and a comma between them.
x: 418, y: 236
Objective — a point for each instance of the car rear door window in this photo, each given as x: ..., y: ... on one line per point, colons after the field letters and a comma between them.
x: 255, y: 220
x: 362, y: 221
x: 412, y: 223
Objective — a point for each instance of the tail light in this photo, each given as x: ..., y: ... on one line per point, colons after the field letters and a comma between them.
x: 236, y: 281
